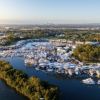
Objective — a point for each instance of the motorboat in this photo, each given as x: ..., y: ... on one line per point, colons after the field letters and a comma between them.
x: 88, y: 81
x: 98, y: 82
x: 50, y: 70
x: 37, y: 68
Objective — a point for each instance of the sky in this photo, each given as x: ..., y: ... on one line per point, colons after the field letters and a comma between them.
x: 49, y: 11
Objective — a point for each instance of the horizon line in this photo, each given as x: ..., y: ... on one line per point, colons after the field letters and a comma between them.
x: 49, y: 23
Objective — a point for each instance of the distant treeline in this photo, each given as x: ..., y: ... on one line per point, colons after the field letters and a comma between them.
x: 82, y: 35
x: 73, y: 35
x: 31, y: 87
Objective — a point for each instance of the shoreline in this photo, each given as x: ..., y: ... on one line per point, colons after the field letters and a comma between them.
x: 14, y: 89
x: 30, y: 95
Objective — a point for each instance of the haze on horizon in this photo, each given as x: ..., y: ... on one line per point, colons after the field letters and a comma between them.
x: 49, y: 11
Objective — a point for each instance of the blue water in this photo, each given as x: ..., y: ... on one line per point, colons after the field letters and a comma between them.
x: 71, y: 89
x: 6, y: 93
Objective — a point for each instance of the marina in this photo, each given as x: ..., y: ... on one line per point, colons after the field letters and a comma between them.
x: 50, y: 58
x: 56, y: 65
x: 49, y: 50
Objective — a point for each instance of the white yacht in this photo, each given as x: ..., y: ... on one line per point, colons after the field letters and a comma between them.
x: 98, y: 82
x: 37, y: 68
x: 50, y: 70
x: 88, y: 81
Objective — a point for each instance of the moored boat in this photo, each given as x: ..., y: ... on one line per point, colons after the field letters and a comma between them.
x: 98, y: 82
x: 88, y: 81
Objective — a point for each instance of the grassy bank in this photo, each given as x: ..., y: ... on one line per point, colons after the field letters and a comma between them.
x: 31, y: 87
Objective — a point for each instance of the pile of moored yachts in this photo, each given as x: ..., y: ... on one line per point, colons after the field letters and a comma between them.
x: 50, y: 58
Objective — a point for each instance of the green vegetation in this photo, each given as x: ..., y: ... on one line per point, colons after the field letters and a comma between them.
x: 87, y: 53
x: 73, y: 35
x: 79, y: 35
x: 11, y: 38
x: 32, y: 87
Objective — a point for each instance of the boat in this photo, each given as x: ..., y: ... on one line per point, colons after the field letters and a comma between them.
x: 88, y: 81
x: 50, y: 70
x: 98, y: 82
x: 37, y: 68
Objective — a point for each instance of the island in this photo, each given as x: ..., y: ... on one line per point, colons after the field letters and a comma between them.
x: 31, y: 87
